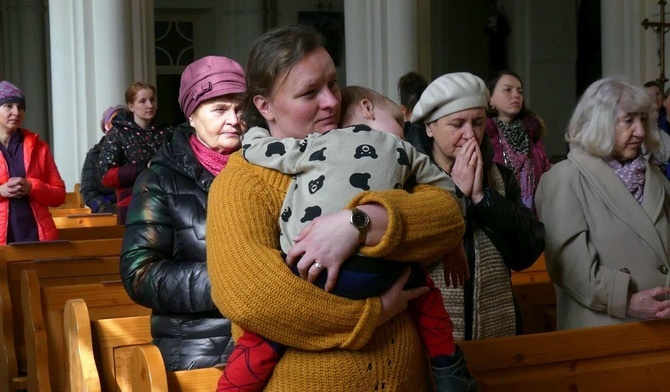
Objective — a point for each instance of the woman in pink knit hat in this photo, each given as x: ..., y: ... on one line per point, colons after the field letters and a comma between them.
x: 29, y: 178
x: 163, y: 261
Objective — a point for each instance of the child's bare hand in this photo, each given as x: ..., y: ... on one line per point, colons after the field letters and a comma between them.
x: 456, y: 270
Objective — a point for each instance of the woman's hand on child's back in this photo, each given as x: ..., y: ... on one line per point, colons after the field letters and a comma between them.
x: 324, y: 244
x: 395, y: 299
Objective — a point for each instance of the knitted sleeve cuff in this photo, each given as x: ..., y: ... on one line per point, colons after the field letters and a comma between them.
x: 366, y: 325
x: 422, y: 225
x: 393, y: 234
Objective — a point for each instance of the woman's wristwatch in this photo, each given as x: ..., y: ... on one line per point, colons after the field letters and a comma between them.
x: 361, y: 221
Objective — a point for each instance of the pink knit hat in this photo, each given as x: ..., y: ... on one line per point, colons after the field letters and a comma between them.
x: 108, y: 115
x: 209, y: 77
x: 11, y: 94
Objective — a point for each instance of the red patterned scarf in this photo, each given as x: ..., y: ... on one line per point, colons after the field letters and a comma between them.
x: 211, y: 160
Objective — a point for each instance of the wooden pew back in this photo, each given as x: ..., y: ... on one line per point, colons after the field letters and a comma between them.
x: 83, y: 372
x: 97, y: 260
x: 625, y: 357
x: 116, y: 355
x: 88, y: 233
x: 72, y: 199
x: 536, y: 297
x: 43, y: 313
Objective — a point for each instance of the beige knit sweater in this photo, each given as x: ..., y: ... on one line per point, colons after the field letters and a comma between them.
x: 333, y: 344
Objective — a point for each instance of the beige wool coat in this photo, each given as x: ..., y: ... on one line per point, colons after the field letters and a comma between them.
x: 601, y: 244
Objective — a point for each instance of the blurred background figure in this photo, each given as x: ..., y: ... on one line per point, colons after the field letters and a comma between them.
x: 655, y: 92
x: 30, y: 179
x: 131, y: 143
x: 515, y: 133
x: 662, y: 155
x: 410, y: 88
x: 96, y: 196
x: 663, y: 120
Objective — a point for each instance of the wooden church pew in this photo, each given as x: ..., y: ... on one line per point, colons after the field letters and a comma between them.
x: 633, y: 356
x: 43, y: 314
x: 99, y: 351
x: 126, y: 359
x: 72, y: 199
x: 96, y: 260
x: 82, y: 375
x: 624, y: 357
x: 148, y: 374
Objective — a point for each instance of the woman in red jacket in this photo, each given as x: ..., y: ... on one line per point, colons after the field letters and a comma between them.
x: 28, y: 174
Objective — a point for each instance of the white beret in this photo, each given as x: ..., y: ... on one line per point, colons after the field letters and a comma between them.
x: 449, y: 94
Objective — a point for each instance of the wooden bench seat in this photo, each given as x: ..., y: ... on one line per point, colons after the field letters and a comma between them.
x: 57, y: 263
x: 43, y: 319
x: 625, y: 357
x: 85, y: 220
x: 57, y: 212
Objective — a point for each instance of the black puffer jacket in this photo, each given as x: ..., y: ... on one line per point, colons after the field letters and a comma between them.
x: 163, y: 261
x: 96, y: 196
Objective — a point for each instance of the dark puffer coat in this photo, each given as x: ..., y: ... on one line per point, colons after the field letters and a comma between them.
x: 163, y: 260
x: 96, y: 196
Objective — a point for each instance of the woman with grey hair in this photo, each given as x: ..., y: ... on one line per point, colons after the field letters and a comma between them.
x: 606, y: 212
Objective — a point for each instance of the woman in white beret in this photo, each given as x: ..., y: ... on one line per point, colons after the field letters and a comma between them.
x: 607, y: 213
x: 501, y: 234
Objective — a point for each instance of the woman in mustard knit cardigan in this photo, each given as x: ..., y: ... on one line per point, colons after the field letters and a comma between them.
x: 333, y: 343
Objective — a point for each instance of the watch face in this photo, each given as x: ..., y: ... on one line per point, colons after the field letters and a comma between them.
x: 360, y: 219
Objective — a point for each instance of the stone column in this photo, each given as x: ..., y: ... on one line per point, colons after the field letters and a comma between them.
x: 543, y: 51
x: 97, y: 49
x: 25, y: 59
x: 242, y: 23
x: 381, y: 43
x: 622, y: 40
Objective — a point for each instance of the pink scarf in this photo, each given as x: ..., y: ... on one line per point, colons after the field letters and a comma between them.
x: 632, y: 175
x: 211, y: 160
